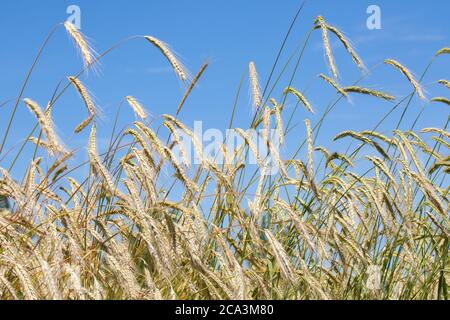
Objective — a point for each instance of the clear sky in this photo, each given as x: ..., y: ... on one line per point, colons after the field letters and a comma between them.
x: 229, y: 34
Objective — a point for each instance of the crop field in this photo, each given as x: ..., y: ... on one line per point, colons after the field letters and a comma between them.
x: 150, y: 211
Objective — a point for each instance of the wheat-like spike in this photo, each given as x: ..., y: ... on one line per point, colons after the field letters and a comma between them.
x: 127, y: 158
x: 253, y: 148
x: 75, y: 280
x: 275, y: 103
x: 192, y: 86
x: 9, y: 187
x: 145, y: 147
x: 41, y: 143
x: 195, y: 140
x: 282, y: 258
x: 438, y: 224
x: 7, y: 285
x: 325, y: 152
x: 98, y: 290
x: 84, y: 124
x: 276, y: 156
x: 279, y: 124
x: 300, y: 97
x: 417, y: 87
x: 137, y: 107
x: 46, y: 126
x: 445, y: 83
x: 50, y: 279
x: 439, y: 140
x: 204, y: 271
x: 221, y: 176
x: 87, y: 53
x: 338, y: 156
x: 377, y: 135
x: 24, y: 277
x: 309, y: 139
x: 83, y: 92
x: 75, y: 186
x: 355, y: 248
x: 299, y: 224
x: 407, y: 144
x: 360, y: 137
x: 430, y: 192
x: 383, y: 167
x: 152, y: 286
x: 437, y: 130
x: 371, y: 92
x: 153, y: 138
x: 29, y: 184
x: 348, y: 46
x: 146, y: 173
x: 442, y: 100
x: 98, y: 165
x: 190, y: 185
x: 440, y: 163
x: 310, y: 168
x: 326, y: 45
x: 176, y: 65
x: 299, y: 166
x: 443, y: 51
x: 333, y: 84
x: 254, y: 82
x: 126, y: 277
x: 177, y: 140
x: 58, y: 173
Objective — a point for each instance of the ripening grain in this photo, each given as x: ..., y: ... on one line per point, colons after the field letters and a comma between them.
x: 147, y: 212
x: 170, y: 56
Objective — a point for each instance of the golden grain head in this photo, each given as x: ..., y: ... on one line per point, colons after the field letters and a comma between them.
x: 443, y: 51
x: 417, y: 87
x: 137, y: 107
x: 84, y: 94
x: 255, y: 87
x: 326, y: 45
x: 192, y: 85
x: 87, y: 53
x: 84, y: 124
x: 442, y: 100
x: 300, y: 97
x: 445, y: 83
x: 348, y: 46
x: 46, y: 124
x: 333, y: 84
x: 309, y: 140
x: 170, y: 56
x: 279, y: 124
x: 370, y: 92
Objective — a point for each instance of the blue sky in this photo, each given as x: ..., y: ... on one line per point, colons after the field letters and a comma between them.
x: 229, y: 34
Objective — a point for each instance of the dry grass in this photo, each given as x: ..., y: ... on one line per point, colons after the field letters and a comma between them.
x: 141, y: 224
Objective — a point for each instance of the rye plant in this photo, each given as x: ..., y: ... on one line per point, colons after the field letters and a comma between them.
x: 368, y: 222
